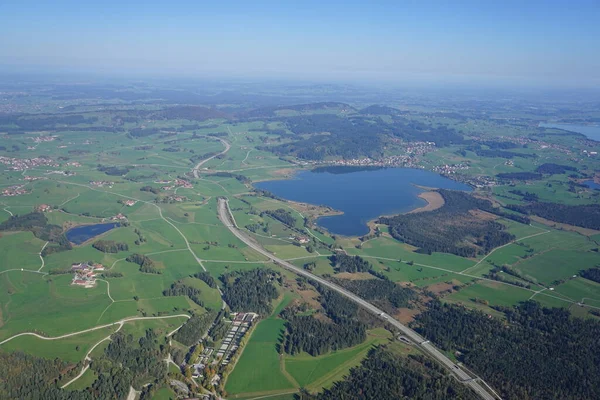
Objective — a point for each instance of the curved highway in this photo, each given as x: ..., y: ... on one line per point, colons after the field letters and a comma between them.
x: 227, y: 219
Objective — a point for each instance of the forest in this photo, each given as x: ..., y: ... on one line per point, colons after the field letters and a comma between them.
x: 451, y: 228
x: 382, y: 292
x: 281, y: 215
x: 37, y: 223
x: 110, y: 246
x: 537, y: 353
x: 192, y: 331
x: 146, y: 264
x: 316, y: 337
x: 342, y: 262
x: 585, y: 215
x: 593, y: 274
x: 551, y: 168
x: 181, y: 289
x: 124, y: 362
x: 519, y: 176
x: 251, y: 291
x: 386, y: 375
x: 319, y: 136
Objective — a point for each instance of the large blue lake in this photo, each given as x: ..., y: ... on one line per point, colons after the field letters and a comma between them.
x: 80, y: 234
x: 591, y: 131
x: 362, y: 195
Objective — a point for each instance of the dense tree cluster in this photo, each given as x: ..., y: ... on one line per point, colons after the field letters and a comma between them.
x: 336, y: 306
x: 125, y: 362
x: 379, y: 291
x: 250, y: 291
x: 110, y: 246
x: 593, y: 274
x: 113, y: 170
x: 150, y: 189
x: 181, y: 289
x: 315, y: 337
x: 537, y: 353
x: 584, y: 215
x: 519, y: 176
x: 142, y: 360
x: 194, y: 329
x: 282, y: 216
x: 28, y: 377
x: 344, y: 263
x: 385, y: 375
x: 146, y: 264
x: 551, y: 168
x: 206, y: 278
x: 527, y: 196
x: 37, y: 223
x: 451, y: 228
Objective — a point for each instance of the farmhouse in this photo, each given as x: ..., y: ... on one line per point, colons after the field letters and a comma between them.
x: 44, y: 208
x: 85, y: 274
x: 129, y: 203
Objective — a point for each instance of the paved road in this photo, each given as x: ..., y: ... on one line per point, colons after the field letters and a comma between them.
x: 227, y: 219
x: 201, y: 163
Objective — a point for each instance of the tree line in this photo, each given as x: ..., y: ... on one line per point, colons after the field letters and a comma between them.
x: 37, y: 223
x: 583, y: 215
x: 110, y: 246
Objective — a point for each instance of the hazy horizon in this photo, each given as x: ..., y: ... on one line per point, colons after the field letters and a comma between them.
x: 535, y: 44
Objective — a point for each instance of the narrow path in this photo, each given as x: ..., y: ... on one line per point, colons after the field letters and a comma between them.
x: 504, y: 245
x: 42, y: 258
x: 120, y: 322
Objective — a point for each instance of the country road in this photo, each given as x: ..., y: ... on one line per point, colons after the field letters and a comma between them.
x: 227, y: 219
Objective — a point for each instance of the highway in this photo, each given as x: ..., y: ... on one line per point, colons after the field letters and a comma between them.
x: 227, y: 219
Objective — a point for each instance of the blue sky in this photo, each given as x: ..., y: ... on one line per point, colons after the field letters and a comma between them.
x: 544, y: 41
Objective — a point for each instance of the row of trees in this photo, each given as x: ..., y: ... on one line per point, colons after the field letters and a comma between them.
x: 110, y: 246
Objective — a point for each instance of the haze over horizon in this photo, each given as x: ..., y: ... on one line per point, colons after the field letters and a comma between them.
x: 542, y: 43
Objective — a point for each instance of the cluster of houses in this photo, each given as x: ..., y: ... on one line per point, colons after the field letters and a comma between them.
x: 102, y: 183
x: 118, y: 217
x: 22, y: 164
x: 46, y: 138
x: 300, y: 239
x: 44, y: 208
x: 15, y: 190
x: 129, y: 203
x: 85, y: 274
